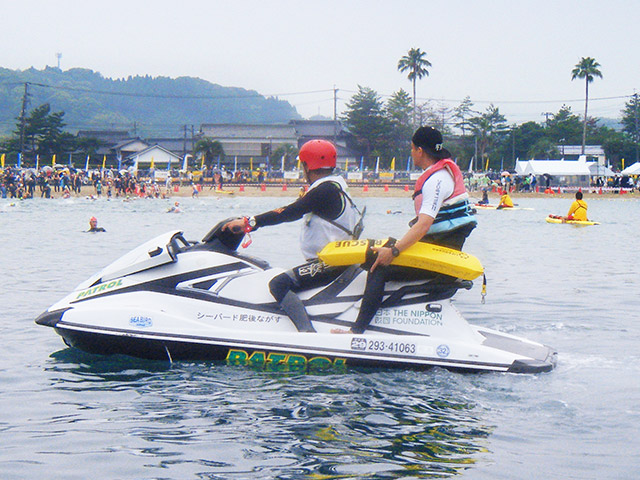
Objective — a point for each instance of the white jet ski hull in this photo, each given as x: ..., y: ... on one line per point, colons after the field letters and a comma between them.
x: 172, y: 300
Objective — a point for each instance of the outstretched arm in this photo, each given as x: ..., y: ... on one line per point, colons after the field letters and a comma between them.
x: 290, y: 213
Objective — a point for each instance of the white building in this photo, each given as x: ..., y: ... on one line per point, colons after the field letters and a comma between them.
x: 161, y: 158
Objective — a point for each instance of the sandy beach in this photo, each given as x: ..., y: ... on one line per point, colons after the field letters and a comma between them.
x: 276, y: 190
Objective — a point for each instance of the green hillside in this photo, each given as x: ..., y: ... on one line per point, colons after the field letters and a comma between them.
x: 145, y: 105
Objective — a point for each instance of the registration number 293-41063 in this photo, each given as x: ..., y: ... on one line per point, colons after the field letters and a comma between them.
x: 391, y: 347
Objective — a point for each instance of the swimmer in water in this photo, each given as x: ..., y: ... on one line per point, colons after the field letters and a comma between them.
x: 93, y: 224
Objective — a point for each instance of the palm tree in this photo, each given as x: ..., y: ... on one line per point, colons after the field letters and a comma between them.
x: 209, y: 148
x: 587, y: 68
x: 416, y: 64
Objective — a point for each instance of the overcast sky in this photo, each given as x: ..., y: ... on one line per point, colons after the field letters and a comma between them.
x: 517, y: 54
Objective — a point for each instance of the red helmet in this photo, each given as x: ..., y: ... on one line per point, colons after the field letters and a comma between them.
x: 318, y: 154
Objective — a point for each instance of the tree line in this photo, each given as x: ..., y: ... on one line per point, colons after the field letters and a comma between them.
x: 384, y: 128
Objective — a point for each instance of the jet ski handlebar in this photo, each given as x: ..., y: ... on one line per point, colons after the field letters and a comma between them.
x: 227, y: 237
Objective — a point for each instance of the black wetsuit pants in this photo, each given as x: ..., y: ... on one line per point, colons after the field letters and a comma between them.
x: 312, y: 274
x: 374, y: 289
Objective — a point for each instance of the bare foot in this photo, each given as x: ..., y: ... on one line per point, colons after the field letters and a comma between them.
x: 340, y: 330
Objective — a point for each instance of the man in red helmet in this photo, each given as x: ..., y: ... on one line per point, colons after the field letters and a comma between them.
x: 330, y: 215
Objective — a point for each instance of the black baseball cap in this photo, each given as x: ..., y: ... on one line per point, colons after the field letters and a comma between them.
x: 430, y: 140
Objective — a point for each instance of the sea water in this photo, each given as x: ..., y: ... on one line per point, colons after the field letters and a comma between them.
x: 65, y: 414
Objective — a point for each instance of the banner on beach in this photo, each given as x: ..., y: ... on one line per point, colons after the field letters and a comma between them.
x: 4, y: 155
x: 291, y: 175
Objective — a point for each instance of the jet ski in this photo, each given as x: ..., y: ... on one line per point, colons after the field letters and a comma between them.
x: 175, y: 299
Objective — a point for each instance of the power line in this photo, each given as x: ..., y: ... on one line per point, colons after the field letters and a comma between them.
x: 172, y: 96
x: 431, y: 99
x: 289, y: 94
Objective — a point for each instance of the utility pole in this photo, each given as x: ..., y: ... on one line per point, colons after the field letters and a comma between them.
x: 635, y: 114
x: 475, y: 153
x: 546, y: 116
x: 513, y: 145
x: 25, y: 100
x: 335, y: 114
x: 184, y: 142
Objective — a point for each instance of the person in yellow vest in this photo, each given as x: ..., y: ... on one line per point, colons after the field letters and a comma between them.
x: 505, y: 201
x: 578, y: 209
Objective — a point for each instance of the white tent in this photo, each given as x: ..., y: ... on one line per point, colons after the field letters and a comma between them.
x: 632, y: 169
x: 563, y: 168
x: 600, y: 170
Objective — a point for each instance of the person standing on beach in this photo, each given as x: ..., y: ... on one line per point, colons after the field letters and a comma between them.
x: 443, y: 217
x: 329, y: 215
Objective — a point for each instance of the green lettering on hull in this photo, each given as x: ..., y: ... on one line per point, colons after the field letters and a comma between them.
x: 279, y: 361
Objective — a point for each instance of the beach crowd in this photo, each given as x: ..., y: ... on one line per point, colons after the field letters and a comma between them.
x: 64, y: 182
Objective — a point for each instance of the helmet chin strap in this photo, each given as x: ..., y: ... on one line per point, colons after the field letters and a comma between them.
x: 306, y: 172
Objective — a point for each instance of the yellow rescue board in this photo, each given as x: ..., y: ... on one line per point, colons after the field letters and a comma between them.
x: 555, y: 219
x: 420, y: 255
